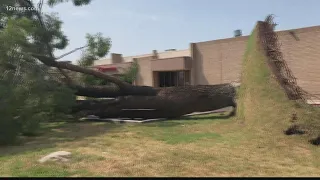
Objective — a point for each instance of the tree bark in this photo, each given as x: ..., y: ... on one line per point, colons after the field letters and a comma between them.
x: 170, y: 102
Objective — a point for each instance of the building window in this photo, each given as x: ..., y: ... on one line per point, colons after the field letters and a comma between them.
x: 173, y: 78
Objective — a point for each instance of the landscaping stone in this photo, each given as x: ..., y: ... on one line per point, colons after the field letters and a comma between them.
x: 56, y: 156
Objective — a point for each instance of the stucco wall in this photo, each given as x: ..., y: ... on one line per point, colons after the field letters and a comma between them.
x: 173, y: 54
x: 144, y: 76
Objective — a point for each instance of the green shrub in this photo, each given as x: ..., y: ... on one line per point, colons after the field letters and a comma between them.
x: 27, y: 100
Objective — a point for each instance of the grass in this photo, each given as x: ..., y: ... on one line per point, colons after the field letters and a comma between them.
x: 251, y: 144
x: 203, y: 146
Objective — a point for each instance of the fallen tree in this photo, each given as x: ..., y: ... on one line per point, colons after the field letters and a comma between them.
x: 170, y: 102
x: 130, y: 101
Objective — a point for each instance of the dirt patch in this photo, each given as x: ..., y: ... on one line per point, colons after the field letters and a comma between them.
x: 295, y: 129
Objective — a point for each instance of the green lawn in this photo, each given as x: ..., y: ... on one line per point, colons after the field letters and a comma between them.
x: 210, y: 145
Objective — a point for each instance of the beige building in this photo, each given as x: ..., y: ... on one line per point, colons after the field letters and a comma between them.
x: 219, y: 61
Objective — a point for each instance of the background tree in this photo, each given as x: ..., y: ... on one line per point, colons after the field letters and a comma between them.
x: 131, y: 73
x: 98, y: 46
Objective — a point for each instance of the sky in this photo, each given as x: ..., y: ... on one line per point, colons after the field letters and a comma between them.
x: 140, y: 26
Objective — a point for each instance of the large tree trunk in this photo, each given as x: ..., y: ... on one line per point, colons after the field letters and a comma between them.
x: 170, y: 102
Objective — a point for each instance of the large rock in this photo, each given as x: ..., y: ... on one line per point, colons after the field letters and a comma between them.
x: 56, y: 156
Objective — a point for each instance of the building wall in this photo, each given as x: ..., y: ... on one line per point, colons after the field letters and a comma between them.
x: 173, y: 54
x: 144, y: 76
x: 145, y: 73
x: 218, y: 61
x: 105, y: 61
x: 303, y: 56
x: 130, y: 58
x: 171, y: 64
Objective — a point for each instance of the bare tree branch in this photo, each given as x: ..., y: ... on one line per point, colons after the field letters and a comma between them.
x: 66, y: 54
x: 63, y: 65
x: 40, y: 4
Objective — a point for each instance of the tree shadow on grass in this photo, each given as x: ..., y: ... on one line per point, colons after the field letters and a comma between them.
x: 54, y: 133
